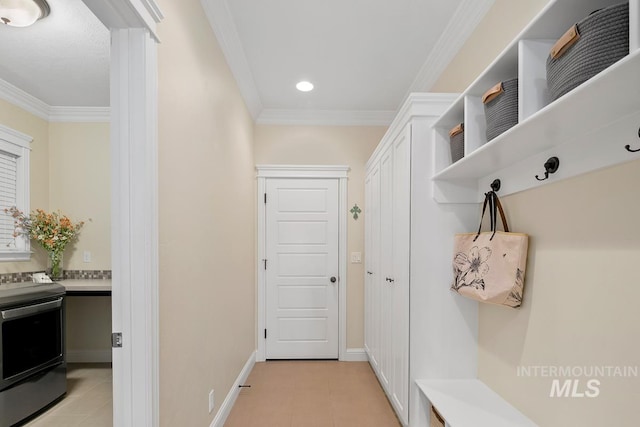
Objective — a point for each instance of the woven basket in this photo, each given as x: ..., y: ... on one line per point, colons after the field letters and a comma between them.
x: 501, y: 107
x: 456, y: 138
x: 587, y: 48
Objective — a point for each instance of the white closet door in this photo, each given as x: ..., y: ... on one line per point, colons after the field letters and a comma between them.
x: 386, y: 263
x: 372, y: 266
x: 400, y: 284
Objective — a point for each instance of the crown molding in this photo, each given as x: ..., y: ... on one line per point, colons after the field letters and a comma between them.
x: 79, y: 114
x: 428, y: 105
x: 325, y: 117
x: 467, y: 16
x: 153, y: 9
x: 226, y: 33
x: 460, y: 27
x: 22, y: 99
x: 38, y: 108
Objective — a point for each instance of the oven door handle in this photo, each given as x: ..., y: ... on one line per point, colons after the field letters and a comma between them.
x: 30, y: 309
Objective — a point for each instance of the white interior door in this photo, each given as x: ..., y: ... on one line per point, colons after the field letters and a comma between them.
x: 301, y: 268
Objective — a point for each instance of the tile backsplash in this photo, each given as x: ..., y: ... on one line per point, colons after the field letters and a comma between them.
x: 68, y: 275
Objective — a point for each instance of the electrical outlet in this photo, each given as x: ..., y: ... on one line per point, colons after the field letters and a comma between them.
x: 86, y: 256
x: 212, y: 402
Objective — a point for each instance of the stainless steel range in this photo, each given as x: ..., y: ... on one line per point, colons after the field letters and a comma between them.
x: 32, y: 349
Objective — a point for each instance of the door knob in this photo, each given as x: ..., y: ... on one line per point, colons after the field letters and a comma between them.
x: 333, y: 279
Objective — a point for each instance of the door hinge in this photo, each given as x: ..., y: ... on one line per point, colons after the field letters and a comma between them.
x: 265, y: 263
x: 116, y: 339
x: 265, y: 198
x: 265, y: 334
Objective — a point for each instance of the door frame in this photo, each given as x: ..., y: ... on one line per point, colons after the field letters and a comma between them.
x: 134, y: 206
x: 265, y: 172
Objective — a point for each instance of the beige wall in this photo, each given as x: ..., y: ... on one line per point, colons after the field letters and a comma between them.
x: 79, y: 186
x: 580, y: 302
x: 88, y: 328
x: 580, y: 290
x: 207, y: 220
x: 37, y: 128
x: 70, y: 171
x: 504, y: 21
x: 330, y: 145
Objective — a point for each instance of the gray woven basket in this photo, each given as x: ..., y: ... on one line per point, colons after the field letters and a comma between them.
x: 501, y: 112
x: 603, y: 40
x: 456, y: 139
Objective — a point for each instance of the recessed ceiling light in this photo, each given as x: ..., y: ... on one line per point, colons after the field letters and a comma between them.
x: 304, y: 86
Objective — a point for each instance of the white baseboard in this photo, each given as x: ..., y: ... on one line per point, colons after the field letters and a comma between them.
x: 225, y: 408
x: 89, y: 356
x: 355, y: 355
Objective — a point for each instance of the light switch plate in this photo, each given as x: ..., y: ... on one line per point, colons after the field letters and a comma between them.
x: 356, y: 257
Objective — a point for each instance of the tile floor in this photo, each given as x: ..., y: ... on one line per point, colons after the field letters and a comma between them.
x: 312, y: 394
x: 88, y: 402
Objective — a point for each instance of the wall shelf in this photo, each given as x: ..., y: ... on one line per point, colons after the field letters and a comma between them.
x: 595, y: 119
x: 470, y: 403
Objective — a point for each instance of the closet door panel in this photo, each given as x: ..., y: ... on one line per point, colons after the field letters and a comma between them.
x: 386, y: 263
x: 372, y: 267
x: 401, y: 212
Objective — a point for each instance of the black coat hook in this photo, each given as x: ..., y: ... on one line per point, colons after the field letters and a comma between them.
x: 495, y: 185
x: 550, y: 166
x: 628, y: 147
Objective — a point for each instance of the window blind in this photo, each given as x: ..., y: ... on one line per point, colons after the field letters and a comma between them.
x: 8, y: 196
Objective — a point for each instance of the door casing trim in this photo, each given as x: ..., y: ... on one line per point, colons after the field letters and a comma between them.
x: 265, y: 172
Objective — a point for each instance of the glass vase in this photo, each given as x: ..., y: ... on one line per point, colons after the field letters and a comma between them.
x: 55, y: 263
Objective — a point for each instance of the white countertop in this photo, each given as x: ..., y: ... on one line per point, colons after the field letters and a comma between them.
x: 86, y: 284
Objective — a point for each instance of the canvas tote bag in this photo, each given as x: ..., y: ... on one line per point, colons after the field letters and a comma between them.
x: 490, y: 266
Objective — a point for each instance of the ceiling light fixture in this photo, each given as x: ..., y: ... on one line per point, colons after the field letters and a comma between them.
x: 304, y: 86
x: 22, y: 13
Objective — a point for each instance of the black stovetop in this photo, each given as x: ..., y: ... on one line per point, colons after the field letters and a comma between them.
x: 13, y: 294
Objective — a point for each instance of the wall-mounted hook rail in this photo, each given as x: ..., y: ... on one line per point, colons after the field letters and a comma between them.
x: 628, y: 146
x: 550, y: 166
x: 495, y: 185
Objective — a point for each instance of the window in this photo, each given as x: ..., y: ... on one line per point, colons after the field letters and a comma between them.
x: 14, y: 191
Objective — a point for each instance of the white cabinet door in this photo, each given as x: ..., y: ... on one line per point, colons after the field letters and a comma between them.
x: 368, y: 266
x: 401, y: 211
x: 386, y: 265
x: 388, y: 189
x: 372, y: 265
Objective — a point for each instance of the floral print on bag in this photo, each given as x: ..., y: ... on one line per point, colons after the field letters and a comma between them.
x: 469, y: 270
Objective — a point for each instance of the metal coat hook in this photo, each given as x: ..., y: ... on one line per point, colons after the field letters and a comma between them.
x: 495, y: 185
x: 550, y: 166
x: 628, y: 147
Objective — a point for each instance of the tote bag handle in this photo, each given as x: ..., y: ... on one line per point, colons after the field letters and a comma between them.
x: 495, y: 207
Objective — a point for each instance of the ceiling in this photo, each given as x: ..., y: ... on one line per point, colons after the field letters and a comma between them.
x: 62, y: 60
x: 363, y: 56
